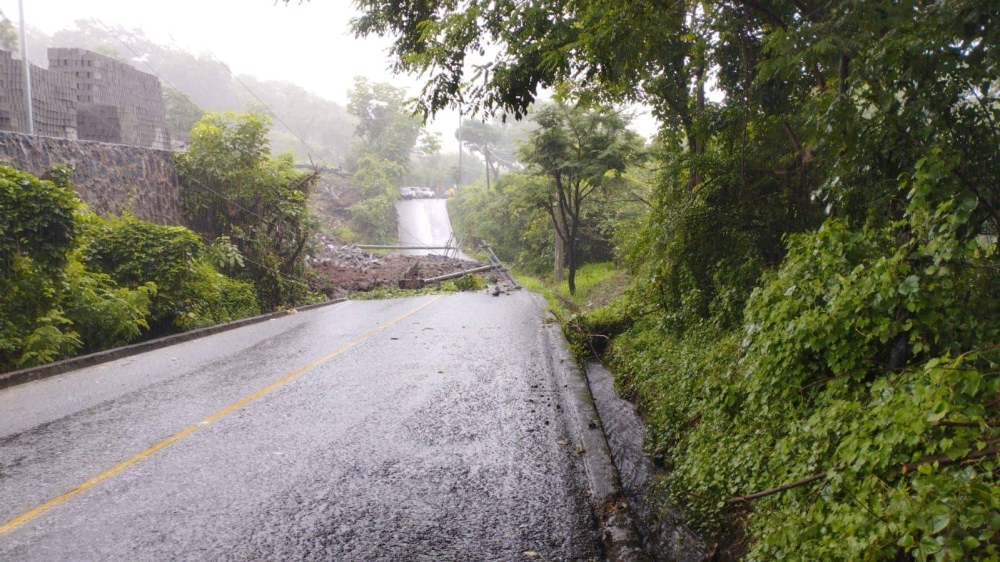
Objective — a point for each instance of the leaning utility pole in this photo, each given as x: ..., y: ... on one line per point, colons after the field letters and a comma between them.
x: 27, y: 71
x: 459, y: 145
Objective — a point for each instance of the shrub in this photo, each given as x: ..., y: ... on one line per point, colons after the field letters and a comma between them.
x: 36, y: 219
x: 234, y: 188
x: 469, y: 283
x: 105, y: 314
x: 374, y: 219
x: 189, y: 291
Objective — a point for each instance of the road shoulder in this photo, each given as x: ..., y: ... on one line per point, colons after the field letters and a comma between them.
x: 619, y: 532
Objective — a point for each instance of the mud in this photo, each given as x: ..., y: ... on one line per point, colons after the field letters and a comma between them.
x: 337, y: 280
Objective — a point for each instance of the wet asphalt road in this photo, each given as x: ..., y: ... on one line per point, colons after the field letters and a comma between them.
x: 424, y: 222
x: 440, y: 437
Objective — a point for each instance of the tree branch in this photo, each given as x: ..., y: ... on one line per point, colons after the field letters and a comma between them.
x: 778, y: 490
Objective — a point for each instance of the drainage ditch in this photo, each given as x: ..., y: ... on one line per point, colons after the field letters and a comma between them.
x: 664, y: 536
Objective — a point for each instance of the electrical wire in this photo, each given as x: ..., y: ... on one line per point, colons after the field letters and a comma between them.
x: 295, y: 279
x: 272, y: 112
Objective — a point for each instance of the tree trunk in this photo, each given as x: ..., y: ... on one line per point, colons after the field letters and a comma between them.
x: 560, y: 249
x: 571, y: 277
x: 697, y: 147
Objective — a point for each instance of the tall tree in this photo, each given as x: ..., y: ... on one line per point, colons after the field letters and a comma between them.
x: 386, y: 126
x: 580, y: 150
x: 182, y: 113
x: 8, y: 35
x: 480, y: 136
x: 234, y: 187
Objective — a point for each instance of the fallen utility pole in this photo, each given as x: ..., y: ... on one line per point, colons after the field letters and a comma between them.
x: 459, y: 274
x: 495, y: 261
x: 376, y: 247
x: 408, y: 282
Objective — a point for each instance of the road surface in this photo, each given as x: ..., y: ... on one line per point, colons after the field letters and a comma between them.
x: 427, y: 428
x: 424, y: 222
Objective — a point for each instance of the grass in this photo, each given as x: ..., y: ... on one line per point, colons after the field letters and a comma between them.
x: 596, y: 285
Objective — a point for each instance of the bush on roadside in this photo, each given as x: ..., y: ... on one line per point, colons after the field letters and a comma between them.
x: 469, y: 283
x: 189, y: 291
x: 73, y: 282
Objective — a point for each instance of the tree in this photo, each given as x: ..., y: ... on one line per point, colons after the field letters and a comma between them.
x: 480, y: 136
x: 182, y: 113
x: 816, y: 279
x: 386, y: 127
x: 233, y: 187
x: 580, y: 150
x: 8, y: 35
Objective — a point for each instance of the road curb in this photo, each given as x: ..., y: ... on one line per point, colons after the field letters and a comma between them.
x: 619, y: 531
x: 30, y: 374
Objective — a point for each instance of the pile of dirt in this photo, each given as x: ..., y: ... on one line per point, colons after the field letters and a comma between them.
x: 337, y: 279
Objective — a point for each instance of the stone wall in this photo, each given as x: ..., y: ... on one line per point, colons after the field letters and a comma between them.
x: 111, y: 178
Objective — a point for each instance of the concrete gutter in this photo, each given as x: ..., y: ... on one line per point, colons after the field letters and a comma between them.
x: 22, y: 376
x: 619, y: 531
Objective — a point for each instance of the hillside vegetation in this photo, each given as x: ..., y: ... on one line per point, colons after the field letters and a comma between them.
x: 72, y: 282
x: 812, y: 330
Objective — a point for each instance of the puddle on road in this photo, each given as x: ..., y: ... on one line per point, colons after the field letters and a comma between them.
x: 664, y: 536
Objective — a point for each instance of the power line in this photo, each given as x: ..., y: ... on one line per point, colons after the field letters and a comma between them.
x: 274, y: 113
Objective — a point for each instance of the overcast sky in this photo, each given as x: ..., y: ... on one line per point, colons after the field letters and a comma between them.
x: 308, y: 44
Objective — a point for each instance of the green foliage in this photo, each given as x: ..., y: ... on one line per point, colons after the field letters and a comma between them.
x: 134, y: 251
x: 386, y: 135
x: 817, y: 276
x: 580, y: 151
x: 377, y: 176
x: 188, y: 292
x: 212, y: 298
x: 75, y: 282
x: 386, y: 127
x: 234, y: 188
x: 224, y: 255
x: 8, y: 35
x: 374, y: 217
x: 52, y: 339
x: 519, y: 231
x: 182, y: 113
x: 104, y: 314
x: 37, y: 233
x: 36, y: 220
x: 469, y: 283
x: 870, y: 360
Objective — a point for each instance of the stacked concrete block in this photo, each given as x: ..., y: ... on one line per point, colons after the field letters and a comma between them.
x: 101, y: 83
x: 98, y: 122
x: 53, y: 100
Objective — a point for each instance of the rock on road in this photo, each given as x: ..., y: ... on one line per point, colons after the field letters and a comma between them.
x: 389, y: 432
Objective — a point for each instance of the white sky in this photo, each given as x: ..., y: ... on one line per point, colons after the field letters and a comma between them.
x: 308, y: 44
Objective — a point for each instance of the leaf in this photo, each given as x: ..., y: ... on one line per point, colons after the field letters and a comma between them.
x: 939, y: 523
x: 909, y: 286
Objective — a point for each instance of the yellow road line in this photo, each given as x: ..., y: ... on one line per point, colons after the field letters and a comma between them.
x: 28, y: 516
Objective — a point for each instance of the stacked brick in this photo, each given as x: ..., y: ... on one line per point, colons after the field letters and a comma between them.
x: 116, y: 102
x: 53, y: 100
